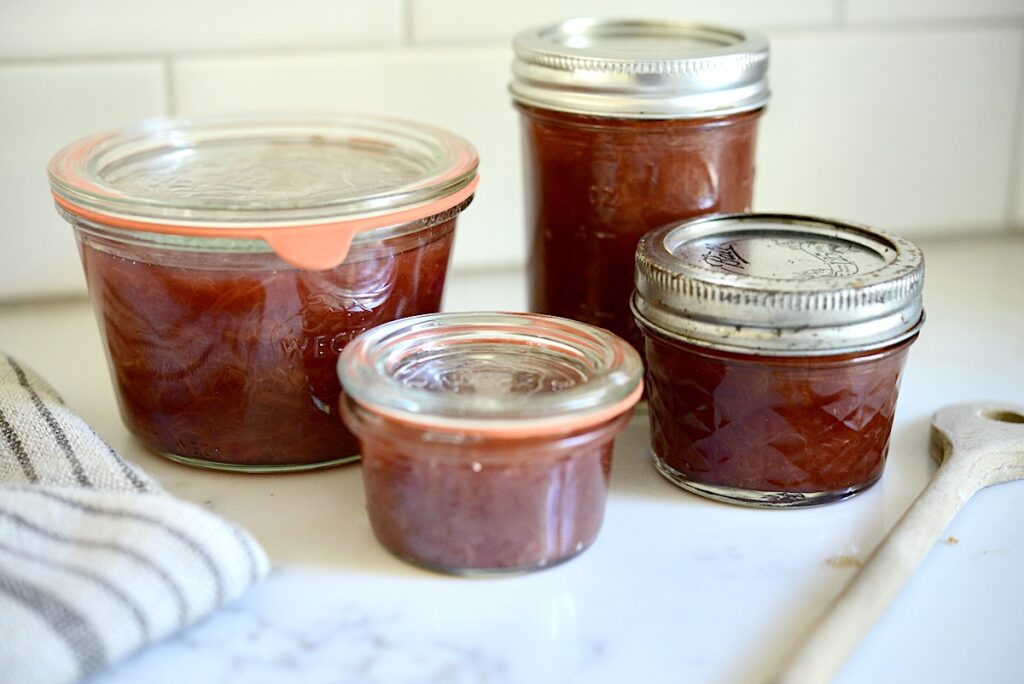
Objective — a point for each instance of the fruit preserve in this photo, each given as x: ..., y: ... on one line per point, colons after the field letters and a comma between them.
x: 775, y: 345
x: 229, y: 263
x: 626, y: 126
x: 487, y: 438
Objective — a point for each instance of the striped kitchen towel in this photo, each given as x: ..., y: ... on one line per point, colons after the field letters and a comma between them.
x: 96, y: 560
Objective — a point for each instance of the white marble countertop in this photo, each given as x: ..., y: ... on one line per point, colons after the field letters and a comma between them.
x: 676, y: 588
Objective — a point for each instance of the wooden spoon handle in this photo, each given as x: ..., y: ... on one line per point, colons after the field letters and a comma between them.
x: 852, y: 614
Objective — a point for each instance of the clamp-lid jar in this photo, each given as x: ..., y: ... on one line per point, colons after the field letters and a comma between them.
x: 487, y: 437
x: 229, y: 260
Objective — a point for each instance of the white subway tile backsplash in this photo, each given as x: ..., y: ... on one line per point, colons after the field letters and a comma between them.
x: 898, y: 113
x: 910, y: 131
x: 436, y: 21
x: 462, y: 90
x: 1018, y: 204
x: 858, y: 11
x: 56, y: 28
x: 45, y: 108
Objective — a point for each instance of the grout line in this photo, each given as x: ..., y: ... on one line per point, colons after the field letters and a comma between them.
x: 842, y: 13
x: 407, y: 22
x: 170, y: 89
x: 479, y: 270
x: 64, y: 60
x: 1015, y: 178
x: 31, y: 301
x: 408, y: 42
x: 102, y: 59
x: 894, y: 28
x: 924, y: 25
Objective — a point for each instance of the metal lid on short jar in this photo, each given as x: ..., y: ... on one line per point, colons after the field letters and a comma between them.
x: 779, y: 284
x: 491, y: 373
x: 640, y: 68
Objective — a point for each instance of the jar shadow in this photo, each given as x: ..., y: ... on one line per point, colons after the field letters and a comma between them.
x: 633, y: 471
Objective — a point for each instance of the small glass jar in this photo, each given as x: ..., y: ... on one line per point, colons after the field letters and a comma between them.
x: 775, y: 345
x: 230, y: 260
x: 487, y: 437
x: 627, y: 125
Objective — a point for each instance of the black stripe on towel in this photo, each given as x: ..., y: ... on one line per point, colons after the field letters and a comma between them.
x: 14, y: 442
x: 51, y: 422
x: 128, y: 472
x: 247, y: 549
x: 172, y: 586
x: 73, y: 627
x: 218, y: 578
x: 112, y: 589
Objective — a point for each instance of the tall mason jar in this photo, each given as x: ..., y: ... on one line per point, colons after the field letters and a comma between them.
x: 628, y: 125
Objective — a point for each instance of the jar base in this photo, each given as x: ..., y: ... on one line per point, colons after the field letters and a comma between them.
x: 248, y: 468
x: 485, y: 572
x: 756, y: 498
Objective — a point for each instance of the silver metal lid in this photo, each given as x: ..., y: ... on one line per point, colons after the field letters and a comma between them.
x: 641, y: 69
x: 779, y: 284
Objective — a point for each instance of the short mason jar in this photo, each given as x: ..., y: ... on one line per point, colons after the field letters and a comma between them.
x: 775, y: 346
x: 230, y: 260
x: 626, y: 126
x: 487, y: 437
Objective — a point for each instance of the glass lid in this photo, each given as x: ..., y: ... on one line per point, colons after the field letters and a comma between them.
x: 491, y: 372
x: 245, y: 176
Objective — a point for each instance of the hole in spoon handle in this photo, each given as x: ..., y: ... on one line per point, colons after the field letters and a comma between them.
x: 1004, y: 416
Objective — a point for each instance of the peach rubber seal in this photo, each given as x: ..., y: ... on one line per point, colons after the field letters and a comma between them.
x: 318, y: 246
x: 511, y: 428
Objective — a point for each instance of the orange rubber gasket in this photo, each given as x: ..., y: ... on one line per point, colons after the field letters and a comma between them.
x: 530, y: 427
x: 316, y: 246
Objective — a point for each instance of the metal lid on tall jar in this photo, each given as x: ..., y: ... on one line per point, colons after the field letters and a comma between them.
x: 644, y: 69
x: 779, y: 284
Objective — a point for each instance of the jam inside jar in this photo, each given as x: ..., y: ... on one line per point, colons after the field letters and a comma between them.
x: 484, y: 504
x: 229, y: 358
x: 775, y: 345
x: 487, y: 438
x: 230, y: 260
x: 626, y: 126
x: 595, y: 185
x: 776, y: 429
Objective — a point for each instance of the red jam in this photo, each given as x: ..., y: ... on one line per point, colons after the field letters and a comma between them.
x: 487, y: 437
x: 775, y: 345
x: 229, y: 358
x: 594, y: 185
x: 483, y: 504
x: 781, y: 426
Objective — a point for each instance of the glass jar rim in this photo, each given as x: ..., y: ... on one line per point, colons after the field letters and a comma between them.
x: 492, y: 373
x: 304, y: 183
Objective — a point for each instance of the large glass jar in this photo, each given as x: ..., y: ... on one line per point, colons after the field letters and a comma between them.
x: 229, y: 261
x: 775, y: 346
x: 626, y: 126
x: 487, y: 437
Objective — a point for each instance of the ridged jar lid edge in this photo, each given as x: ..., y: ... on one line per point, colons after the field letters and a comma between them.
x: 640, y: 68
x: 781, y: 284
